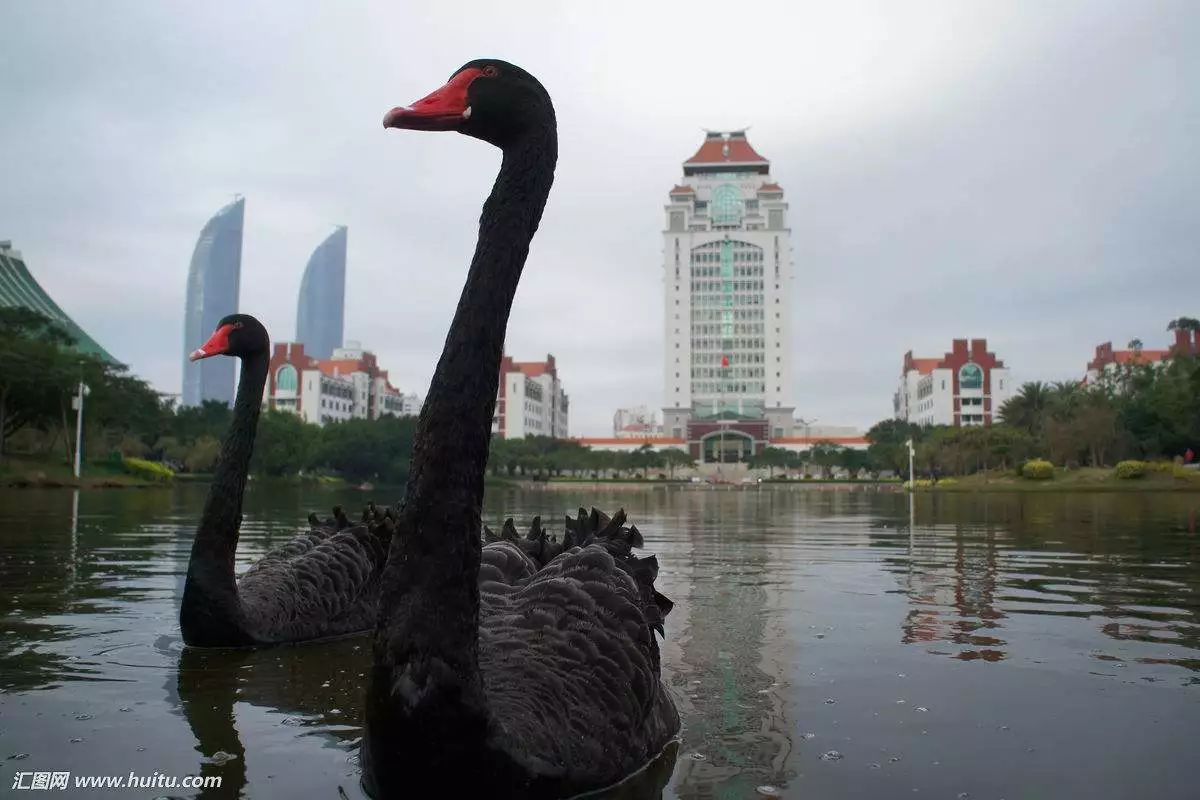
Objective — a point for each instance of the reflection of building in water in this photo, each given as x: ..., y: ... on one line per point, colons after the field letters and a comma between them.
x: 725, y: 665
x: 1085, y: 559
x: 951, y: 584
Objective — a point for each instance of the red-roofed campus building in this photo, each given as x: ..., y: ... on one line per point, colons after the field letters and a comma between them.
x: 727, y: 268
x: 1115, y: 365
x: 530, y: 400
x: 966, y: 386
x: 349, y: 385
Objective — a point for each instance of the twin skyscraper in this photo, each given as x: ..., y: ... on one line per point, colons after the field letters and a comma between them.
x: 214, y: 280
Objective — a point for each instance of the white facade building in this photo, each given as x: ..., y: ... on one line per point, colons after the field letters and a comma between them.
x: 325, y: 398
x: 350, y: 385
x: 411, y: 404
x: 638, y: 422
x: 967, y: 386
x: 727, y: 272
x: 530, y: 400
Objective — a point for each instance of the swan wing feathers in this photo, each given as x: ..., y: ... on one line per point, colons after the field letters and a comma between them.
x: 504, y: 564
x: 322, y: 583
x: 570, y: 665
x: 568, y: 654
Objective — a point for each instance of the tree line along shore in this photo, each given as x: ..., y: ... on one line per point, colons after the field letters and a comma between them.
x: 1147, y: 414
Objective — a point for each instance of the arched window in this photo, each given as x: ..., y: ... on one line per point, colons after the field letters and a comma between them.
x: 285, y: 379
x: 970, y: 377
x: 727, y: 205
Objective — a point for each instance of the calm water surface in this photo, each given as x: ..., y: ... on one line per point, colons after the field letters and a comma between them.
x: 998, y: 647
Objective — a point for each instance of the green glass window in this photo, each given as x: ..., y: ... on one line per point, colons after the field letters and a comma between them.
x: 970, y: 377
x: 727, y: 205
x: 285, y: 379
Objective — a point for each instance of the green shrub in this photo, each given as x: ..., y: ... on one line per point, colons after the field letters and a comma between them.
x: 919, y: 483
x: 1127, y: 470
x: 1037, y: 469
x: 147, y: 470
x: 947, y: 482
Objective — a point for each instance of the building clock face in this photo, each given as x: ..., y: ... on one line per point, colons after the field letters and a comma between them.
x: 970, y: 377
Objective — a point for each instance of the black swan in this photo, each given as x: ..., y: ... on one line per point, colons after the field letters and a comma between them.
x: 506, y: 679
x: 321, y: 584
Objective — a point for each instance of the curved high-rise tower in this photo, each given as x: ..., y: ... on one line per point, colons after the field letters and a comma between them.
x: 320, y: 312
x: 212, y: 292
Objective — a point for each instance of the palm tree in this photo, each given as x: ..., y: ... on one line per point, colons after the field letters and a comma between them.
x: 1135, y: 345
x: 1065, y: 398
x: 1184, y: 324
x: 1027, y: 408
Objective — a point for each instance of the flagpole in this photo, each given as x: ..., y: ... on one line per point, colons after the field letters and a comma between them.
x: 720, y: 410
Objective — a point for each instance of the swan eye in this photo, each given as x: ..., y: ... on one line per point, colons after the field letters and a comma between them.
x: 490, y: 71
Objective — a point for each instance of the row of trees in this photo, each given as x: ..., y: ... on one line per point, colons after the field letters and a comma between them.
x: 40, y: 373
x: 543, y: 457
x: 823, y: 458
x: 1141, y: 410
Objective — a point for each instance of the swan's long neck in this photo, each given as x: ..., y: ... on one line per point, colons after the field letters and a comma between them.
x: 210, y: 598
x: 451, y: 443
x: 426, y: 657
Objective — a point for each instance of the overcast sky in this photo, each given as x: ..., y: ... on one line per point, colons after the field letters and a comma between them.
x: 1021, y: 171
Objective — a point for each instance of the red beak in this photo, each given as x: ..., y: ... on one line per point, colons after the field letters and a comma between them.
x: 217, y: 344
x: 444, y: 110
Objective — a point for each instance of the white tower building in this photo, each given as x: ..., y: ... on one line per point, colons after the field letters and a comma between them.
x: 727, y: 273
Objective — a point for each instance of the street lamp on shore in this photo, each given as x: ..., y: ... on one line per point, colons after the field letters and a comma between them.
x: 808, y: 423
x: 911, y: 453
x: 77, y: 404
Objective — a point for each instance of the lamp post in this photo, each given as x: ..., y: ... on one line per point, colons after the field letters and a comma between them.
x: 77, y: 403
x: 808, y: 423
x: 911, y: 453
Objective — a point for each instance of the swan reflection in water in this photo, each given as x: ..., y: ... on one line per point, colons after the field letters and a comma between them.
x: 316, y: 687
x: 319, y: 689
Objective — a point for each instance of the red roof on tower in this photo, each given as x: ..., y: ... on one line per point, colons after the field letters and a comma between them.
x: 770, y: 187
x: 1140, y: 356
x: 722, y: 148
x: 531, y: 369
x: 683, y: 190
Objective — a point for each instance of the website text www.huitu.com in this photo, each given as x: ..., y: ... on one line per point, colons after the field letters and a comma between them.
x: 134, y: 780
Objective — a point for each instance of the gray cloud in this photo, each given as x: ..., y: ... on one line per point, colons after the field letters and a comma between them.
x: 1022, y: 172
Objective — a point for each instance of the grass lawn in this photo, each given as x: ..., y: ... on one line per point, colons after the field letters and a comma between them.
x: 1084, y: 479
x: 51, y: 472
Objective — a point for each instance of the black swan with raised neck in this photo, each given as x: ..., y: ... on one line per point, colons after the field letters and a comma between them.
x: 505, y: 676
x: 323, y: 583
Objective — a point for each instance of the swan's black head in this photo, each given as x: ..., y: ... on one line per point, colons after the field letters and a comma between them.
x: 238, y: 335
x: 489, y: 99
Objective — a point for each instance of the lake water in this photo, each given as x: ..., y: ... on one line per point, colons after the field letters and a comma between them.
x: 1037, y: 646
